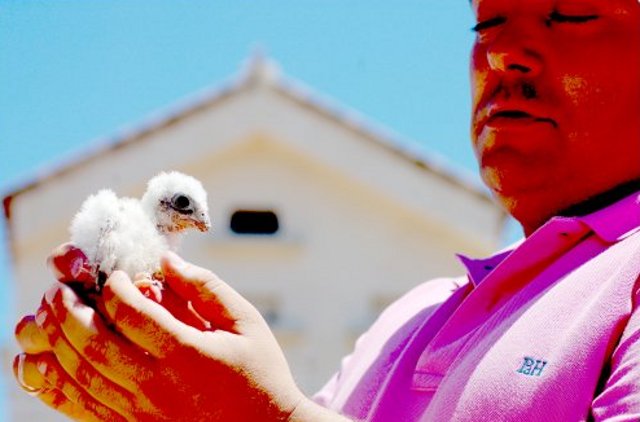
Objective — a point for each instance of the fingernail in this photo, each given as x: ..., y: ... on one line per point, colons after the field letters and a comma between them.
x: 41, y: 316
x: 42, y: 367
x: 22, y: 357
x: 19, y: 373
x: 74, y: 268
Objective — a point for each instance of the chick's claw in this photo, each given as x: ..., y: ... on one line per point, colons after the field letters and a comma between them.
x: 149, y: 287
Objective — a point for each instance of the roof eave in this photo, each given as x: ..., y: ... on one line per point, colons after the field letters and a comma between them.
x: 264, y: 73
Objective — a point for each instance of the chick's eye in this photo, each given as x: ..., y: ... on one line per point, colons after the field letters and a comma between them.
x: 181, y: 202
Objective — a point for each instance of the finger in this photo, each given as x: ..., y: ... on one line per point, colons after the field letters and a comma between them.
x: 30, y: 337
x: 211, y: 297
x: 41, y: 377
x: 27, y: 375
x: 83, y: 330
x: 178, y: 307
x: 183, y: 310
x: 69, y: 264
x: 71, y: 369
x: 56, y: 400
x: 142, y: 321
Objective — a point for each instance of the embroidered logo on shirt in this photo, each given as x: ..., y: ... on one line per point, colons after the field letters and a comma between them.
x: 532, y: 367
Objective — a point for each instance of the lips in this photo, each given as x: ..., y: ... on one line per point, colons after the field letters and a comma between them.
x: 512, y: 114
x: 516, y: 116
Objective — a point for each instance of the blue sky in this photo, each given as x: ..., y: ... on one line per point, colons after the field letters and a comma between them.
x: 73, y: 71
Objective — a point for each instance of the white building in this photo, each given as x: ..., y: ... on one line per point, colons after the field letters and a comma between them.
x: 360, y: 217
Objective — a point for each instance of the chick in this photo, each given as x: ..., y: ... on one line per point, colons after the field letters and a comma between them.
x: 131, y: 235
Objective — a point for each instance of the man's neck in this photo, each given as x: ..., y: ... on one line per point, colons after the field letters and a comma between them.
x: 602, y: 200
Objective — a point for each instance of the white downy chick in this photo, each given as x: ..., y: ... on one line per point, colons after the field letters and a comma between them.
x: 131, y: 235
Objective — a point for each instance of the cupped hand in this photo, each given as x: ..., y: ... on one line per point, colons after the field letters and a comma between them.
x: 69, y: 265
x: 157, y: 367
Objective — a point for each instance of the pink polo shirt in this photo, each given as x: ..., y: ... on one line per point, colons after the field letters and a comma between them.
x: 547, y: 331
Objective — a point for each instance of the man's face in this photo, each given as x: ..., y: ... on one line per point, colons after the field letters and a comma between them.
x: 556, y: 101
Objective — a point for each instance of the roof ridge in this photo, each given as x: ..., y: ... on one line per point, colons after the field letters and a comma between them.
x: 258, y: 70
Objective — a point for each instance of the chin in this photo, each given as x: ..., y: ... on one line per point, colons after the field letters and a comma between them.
x: 530, y: 207
x: 530, y: 214
x: 515, y: 182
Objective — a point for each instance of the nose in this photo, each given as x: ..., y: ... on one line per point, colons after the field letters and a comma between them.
x: 514, y: 51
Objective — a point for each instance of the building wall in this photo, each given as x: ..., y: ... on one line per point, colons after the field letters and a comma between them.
x: 354, y: 231
x: 342, y: 251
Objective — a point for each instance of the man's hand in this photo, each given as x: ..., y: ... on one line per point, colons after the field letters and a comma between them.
x: 156, y: 367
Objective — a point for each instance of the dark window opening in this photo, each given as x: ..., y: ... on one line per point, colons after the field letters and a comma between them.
x: 254, y: 222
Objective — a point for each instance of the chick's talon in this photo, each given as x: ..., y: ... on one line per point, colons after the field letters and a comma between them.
x: 158, y: 275
x: 142, y: 277
x: 150, y: 288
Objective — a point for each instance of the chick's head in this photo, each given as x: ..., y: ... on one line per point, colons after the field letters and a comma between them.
x: 176, y: 202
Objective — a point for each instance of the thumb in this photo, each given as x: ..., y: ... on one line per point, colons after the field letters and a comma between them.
x: 70, y: 265
x: 211, y: 297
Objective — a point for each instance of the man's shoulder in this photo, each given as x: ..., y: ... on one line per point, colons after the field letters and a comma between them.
x: 623, y: 252
x: 426, y: 294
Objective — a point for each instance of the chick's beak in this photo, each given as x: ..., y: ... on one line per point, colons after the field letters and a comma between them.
x: 202, y: 222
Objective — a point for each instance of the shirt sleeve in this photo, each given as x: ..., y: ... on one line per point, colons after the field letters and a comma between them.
x: 620, y: 398
x: 325, y: 395
x: 423, y: 300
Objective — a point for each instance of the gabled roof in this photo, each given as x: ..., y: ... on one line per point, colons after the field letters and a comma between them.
x: 262, y: 71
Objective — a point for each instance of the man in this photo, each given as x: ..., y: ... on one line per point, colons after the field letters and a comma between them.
x: 548, y: 330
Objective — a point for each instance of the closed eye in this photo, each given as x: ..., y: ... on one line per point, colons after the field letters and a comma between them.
x: 486, y: 24
x: 558, y: 17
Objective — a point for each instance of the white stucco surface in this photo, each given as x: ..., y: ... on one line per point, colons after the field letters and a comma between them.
x: 361, y: 221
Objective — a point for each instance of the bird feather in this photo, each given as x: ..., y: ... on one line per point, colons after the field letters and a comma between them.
x: 131, y: 235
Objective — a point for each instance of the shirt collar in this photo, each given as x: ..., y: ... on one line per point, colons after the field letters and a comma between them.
x: 616, y: 221
x: 611, y: 224
x: 478, y: 269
